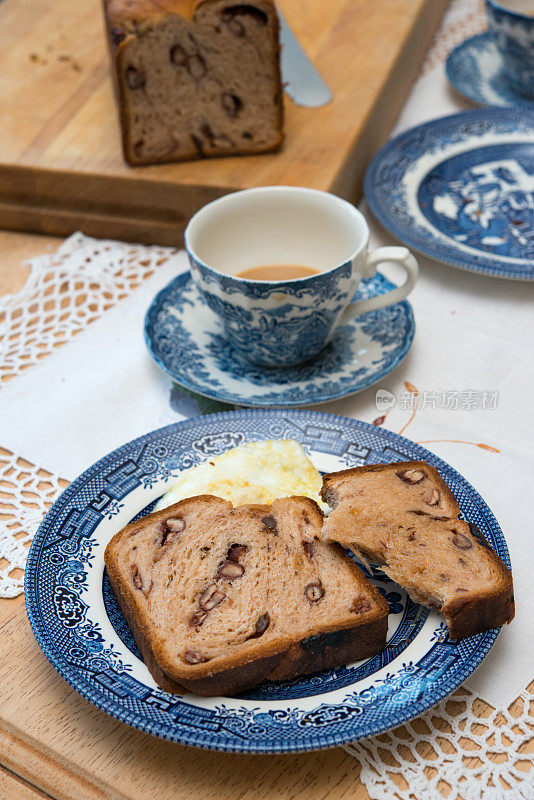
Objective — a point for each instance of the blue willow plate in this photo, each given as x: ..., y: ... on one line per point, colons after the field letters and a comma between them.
x: 475, y: 69
x: 81, y: 630
x: 190, y: 346
x: 460, y: 189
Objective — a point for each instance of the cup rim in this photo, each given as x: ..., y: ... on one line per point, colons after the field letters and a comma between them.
x: 510, y: 11
x: 261, y: 190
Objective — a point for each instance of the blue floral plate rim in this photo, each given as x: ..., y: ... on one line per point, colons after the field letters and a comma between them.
x: 188, y: 375
x: 257, y: 726
x: 387, y: 194
x: 473, y: 87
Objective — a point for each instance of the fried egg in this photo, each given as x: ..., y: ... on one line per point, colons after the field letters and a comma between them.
x: 255, y: 472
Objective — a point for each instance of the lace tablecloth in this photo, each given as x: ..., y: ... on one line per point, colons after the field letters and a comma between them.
x: 91, y: 293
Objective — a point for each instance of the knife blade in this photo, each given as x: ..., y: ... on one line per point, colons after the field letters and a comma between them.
x: 301, y: 80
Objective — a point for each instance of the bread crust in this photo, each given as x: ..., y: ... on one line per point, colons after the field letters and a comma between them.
x: 328, y: 650
x: 126, y: 20
x: 288, y: 659
x: 464, y: 616
x: 468, y: 617
x: 127, y: 14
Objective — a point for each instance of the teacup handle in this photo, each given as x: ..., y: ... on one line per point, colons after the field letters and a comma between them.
x: 398, y: 255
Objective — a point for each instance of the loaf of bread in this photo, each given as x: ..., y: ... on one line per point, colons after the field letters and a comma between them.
x: 405, y: 518
x: 219, y: 598
x: 195, y: 78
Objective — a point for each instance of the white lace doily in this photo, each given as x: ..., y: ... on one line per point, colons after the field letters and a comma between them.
x: 461, y: 749
x: 26, y: 494
x: 66, y: 292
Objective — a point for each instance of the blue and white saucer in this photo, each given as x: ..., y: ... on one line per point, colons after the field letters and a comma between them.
x: 460, y: 189
x: 185, y: 338
x: 475, y: 69
x: 81, y: 630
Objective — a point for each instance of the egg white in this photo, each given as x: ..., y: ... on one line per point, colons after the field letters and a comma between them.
x: 255, y: 472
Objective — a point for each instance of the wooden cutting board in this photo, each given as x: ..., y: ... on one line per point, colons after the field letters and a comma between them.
x: 61, y: 167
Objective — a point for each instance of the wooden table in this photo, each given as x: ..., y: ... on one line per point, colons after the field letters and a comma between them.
x: 54, y: 744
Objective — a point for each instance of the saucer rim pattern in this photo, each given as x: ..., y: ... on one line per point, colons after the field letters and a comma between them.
x: 453, y: 70
x: 266, y: 401
x: 436, y: 133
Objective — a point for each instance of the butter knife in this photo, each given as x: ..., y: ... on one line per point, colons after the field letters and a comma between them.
x: 301, y: 80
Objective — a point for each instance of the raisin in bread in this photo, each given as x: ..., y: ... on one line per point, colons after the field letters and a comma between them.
x: 195, y: 77
x: 405, y: 518
x: 219, y: 598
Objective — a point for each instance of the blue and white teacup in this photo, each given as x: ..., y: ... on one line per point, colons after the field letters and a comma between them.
x: 275, y: 323
x: 512, y: 25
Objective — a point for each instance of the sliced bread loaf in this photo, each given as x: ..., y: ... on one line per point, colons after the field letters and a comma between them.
x: 219, y: 598
x: 405, y: 518
x: 195, y: 78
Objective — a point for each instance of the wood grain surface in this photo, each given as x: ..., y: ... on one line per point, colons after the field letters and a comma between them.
x: 66, y: 747
x: 12, y: 787
x: 61, y: 167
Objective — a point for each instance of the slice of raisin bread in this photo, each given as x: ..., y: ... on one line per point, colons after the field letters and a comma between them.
x: 219, y: 598
x: 195, y: 78
x: 405, y: 518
